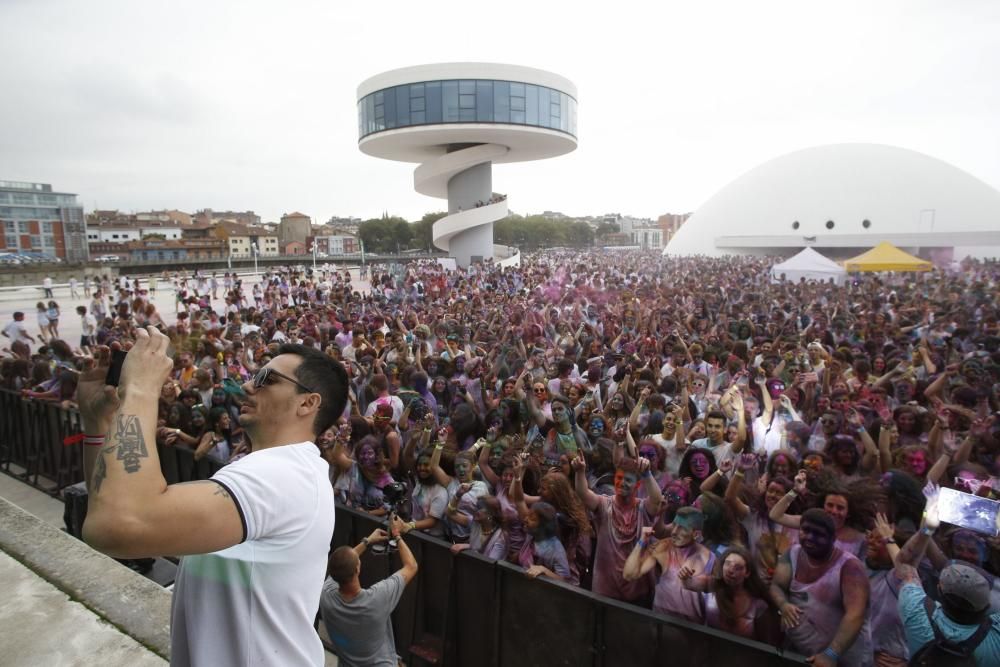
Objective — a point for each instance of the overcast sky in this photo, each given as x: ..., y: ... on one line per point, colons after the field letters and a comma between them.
x: 251, y: 105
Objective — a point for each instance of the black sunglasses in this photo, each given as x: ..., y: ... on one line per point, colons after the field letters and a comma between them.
x: 261, y: 377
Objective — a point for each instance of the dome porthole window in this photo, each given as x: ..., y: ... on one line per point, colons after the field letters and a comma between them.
x: 829, y: 224
x: 866, y: 223
x: 795, y: 225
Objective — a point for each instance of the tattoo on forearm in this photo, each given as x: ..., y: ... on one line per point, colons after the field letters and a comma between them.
x: 131, y: 447
x: 100, y: 472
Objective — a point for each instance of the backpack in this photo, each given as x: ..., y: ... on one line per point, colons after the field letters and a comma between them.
x: 943, y: 652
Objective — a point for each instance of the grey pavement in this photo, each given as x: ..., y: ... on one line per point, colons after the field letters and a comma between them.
x: 31, y: 500
x: 48, y: 628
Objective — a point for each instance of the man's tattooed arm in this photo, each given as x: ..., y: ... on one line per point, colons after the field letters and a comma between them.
x: 131, y: 448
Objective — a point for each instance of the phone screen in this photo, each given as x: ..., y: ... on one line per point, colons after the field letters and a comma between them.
x: 968, y: 511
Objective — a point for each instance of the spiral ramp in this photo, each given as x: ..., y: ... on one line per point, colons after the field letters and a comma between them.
x: 463, y: 177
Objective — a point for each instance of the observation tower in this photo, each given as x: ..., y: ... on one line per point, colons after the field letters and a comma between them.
x: 456, y: 120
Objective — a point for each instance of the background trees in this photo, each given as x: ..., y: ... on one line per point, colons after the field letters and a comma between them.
x: 391, y: 234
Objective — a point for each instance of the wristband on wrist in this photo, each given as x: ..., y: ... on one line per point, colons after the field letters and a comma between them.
x: 93, y: 440
x: 439, y: 446
x: 647, y: 474
x: 411, y: 526
x: 830, y: 653
x: 364, y: 541
x: 927, y: 531
x: 739, y: 473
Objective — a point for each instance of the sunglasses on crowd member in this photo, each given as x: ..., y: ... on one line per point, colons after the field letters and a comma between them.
x: 539, y: 390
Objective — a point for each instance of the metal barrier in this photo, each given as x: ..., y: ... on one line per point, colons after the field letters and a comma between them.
x: 481, y: 612
x: 464, y: 609
x: 38, y: 436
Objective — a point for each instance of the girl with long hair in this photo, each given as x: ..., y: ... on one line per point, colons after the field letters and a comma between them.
x: 737, y: 599
x: 767, y: 539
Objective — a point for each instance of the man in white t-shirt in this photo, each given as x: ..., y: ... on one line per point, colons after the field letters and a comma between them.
x: 254, y: 537
x: 16, y: 331
x: 88, y: 330
x: 715, y: 429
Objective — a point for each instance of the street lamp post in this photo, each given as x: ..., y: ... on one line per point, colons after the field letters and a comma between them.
x: 256, y: 251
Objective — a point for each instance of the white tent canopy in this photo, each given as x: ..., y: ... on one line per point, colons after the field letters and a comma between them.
x: 810, y: 265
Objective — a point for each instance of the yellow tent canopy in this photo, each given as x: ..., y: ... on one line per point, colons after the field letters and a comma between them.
x: 886, y: 257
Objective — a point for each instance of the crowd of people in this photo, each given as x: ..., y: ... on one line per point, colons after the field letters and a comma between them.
x: 681, y: 434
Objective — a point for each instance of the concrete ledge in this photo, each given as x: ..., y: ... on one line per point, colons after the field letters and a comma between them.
x: 126, y: 599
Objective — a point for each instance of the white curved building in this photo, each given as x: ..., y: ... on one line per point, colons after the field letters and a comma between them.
x: 844, y: 198
x: 456, y: 120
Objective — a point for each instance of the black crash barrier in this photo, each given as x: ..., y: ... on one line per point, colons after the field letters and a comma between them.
x: 41, y: 438
x: 44, y: 440
x: 473, y: 611
x: 461, y: 610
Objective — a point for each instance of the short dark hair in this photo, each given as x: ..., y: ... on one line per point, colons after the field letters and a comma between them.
x: 716, y: 414
x: 324, y: 375
x: 818, y: 517
x: 342, y: 564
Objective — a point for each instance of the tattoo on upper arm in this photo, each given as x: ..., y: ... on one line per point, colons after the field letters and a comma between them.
x: 220, y: 491
x: 131, y: 448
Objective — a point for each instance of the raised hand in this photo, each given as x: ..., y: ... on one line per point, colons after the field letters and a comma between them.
x: 146, y: 365
x: 726, y: 466
x: 932, y: 493
x: 883, y: 528
x: 747, y: 461
x: 800, y: 482
x: 579, y: 463
x: 378, y: 535
x: 397, y: 526
x: 98, y: 401
x: 762, y: 483
x: 643, y: 466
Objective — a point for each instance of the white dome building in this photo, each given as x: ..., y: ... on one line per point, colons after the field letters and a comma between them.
x: 844, y: 198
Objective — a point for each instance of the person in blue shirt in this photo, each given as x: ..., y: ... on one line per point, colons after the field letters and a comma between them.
x: 964, y: 596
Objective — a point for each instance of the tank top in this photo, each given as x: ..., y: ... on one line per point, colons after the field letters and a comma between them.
x: 883, y: 612
x: 671, y: 597
x: 822, y: 608
x: 743, y: 625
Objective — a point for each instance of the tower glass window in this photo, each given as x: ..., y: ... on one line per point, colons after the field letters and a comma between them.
x: 466, y: 101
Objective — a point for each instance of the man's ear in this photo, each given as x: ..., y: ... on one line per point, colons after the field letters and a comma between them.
x: 310, y: 403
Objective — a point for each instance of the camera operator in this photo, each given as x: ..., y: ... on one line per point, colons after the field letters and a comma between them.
x: 358, y: 619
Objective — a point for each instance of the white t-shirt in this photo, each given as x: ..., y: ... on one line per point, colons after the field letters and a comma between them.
x: 17, y: 331
x: 89, y: 324
x: 723, y: 452
x: 254, y: 603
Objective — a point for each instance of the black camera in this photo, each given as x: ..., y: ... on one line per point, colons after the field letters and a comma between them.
x: 394, y: 494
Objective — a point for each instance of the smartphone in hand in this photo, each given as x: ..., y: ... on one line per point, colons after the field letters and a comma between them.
x: 115, y: 369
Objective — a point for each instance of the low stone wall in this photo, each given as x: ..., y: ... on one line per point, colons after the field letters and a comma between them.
x: 28, y: 275
x: 126, y: 599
